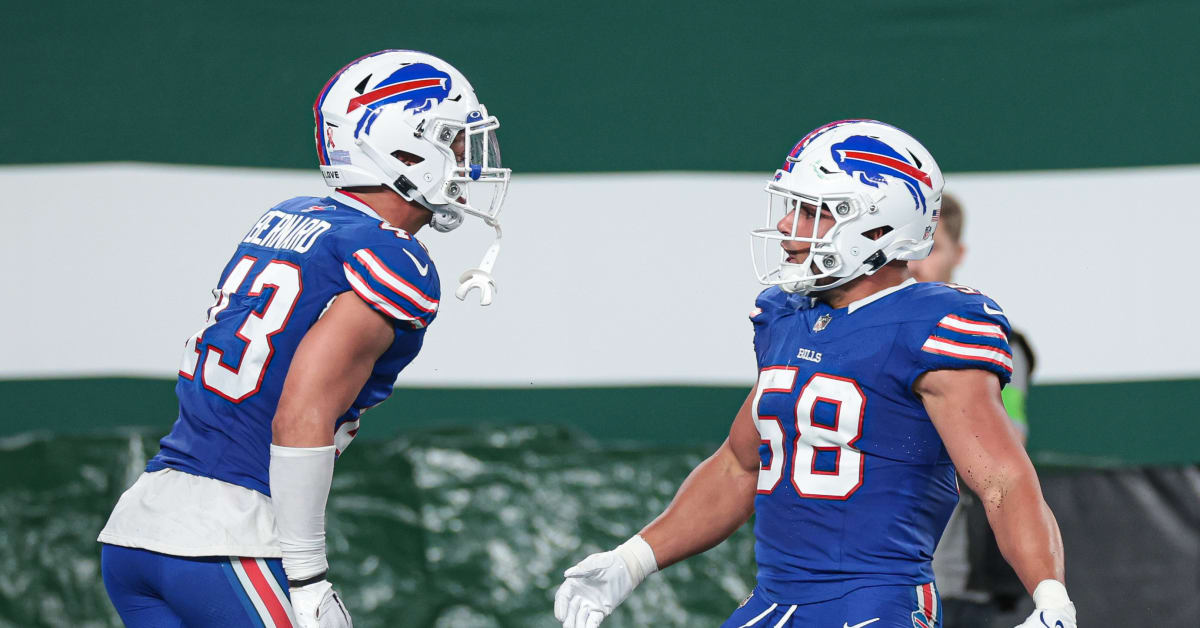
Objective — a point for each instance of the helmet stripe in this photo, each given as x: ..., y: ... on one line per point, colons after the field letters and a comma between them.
x: 323, y: 158
x: 799, y: 147
x: 819, y: 130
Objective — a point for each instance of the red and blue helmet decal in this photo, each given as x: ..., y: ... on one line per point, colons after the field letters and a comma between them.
x: 420, y: 85
x: 872, y: 160
x: 794, y: 155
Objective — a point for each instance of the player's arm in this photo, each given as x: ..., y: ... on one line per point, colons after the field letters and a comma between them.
x: 714, y: 501
x: 331, y: 365
x: 967, y: 411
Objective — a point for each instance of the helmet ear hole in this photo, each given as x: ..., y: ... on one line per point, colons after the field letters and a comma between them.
x: 407, y: 158
x: 877, y: 232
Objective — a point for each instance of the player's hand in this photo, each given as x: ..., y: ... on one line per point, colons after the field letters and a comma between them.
x: 1051, y: 618
x: 592, y: 589
x: 317, y: 605
x: 1053, y: 608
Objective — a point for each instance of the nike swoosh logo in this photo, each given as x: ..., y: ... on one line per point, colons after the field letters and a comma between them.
x: 987, y: 309
x: 421, y: 268
x: 860, y: 624
x: 1042, y: 617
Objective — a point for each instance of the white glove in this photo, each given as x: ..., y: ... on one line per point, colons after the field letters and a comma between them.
x: 599, y: 583
x: 1053, y: 609
x: 317, y: 605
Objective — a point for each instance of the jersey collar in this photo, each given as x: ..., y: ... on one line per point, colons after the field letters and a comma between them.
x: 879, y: 295
x: 353, y: 202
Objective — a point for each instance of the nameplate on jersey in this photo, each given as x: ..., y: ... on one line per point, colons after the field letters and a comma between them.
x: 809, y: 354
x: 281, y: 230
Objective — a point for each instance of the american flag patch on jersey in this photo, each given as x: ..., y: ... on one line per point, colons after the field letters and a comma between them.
x: 967, y: 339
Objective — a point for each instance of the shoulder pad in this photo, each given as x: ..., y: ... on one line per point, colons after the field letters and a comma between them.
x: 933, y: 300
x: 396, y: 277
x: 774, y: 302
x: 964, y: 329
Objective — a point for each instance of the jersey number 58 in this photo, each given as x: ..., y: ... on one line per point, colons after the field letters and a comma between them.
x: 829, y: 441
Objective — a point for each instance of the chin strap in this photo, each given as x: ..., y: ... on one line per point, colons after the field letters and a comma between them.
x: 481, y: 276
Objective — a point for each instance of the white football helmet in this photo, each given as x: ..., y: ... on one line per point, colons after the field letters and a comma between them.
x: 393, y: 118
x: 868, y: 175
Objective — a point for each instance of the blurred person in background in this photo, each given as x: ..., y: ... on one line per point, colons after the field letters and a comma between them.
x: 978, y: 588
x: 324, y: 301
x: 872, y: 388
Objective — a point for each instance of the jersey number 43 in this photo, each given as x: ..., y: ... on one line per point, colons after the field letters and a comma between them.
x: 237, y: 383
x: 824, y: 461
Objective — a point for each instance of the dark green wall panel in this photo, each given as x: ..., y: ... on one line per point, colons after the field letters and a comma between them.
x: 987, y: 85
x: 1152, y: 422
x: 1110, y: 423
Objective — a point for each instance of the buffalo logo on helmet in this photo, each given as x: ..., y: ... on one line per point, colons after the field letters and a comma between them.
x: 872, y: 160
x: 419, y: 84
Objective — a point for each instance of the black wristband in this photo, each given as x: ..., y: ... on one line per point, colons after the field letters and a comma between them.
x: 296, y: 584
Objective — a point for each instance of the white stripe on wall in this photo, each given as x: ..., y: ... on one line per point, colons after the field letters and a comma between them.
x: 604, y: 278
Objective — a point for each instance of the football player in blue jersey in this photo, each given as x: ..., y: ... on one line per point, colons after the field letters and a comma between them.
x: 324, y: 301
x: 872, y: 389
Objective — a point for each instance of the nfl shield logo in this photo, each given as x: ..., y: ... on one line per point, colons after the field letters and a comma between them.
x: 822, y: 322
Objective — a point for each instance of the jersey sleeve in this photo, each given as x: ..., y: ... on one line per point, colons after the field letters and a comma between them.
x: 398, y: 281
x: 973, y: 334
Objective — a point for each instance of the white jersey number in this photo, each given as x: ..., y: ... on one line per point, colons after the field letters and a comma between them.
x: 813, y: 437
x: 236, y: 384
x: 770, y: 428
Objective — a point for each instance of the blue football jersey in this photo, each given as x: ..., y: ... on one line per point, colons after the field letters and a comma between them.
x: 855, y: 485
x: 288, y: 268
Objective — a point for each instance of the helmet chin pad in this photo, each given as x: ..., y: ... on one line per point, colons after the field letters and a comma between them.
x: 445, y: 218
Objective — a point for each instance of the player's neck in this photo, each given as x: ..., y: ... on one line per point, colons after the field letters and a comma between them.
x: 392, y: 207
x: 889, y: 276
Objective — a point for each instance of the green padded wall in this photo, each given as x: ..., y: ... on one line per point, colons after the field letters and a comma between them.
x: 616, y: 86
x: 1071, y: 424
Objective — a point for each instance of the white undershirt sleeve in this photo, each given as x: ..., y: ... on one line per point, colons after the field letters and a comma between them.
x: 300, y: 481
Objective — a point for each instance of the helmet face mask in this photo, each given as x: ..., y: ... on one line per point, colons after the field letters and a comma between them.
x: 876, y: 191
x: 477, y: 185
x: 786, y: 217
